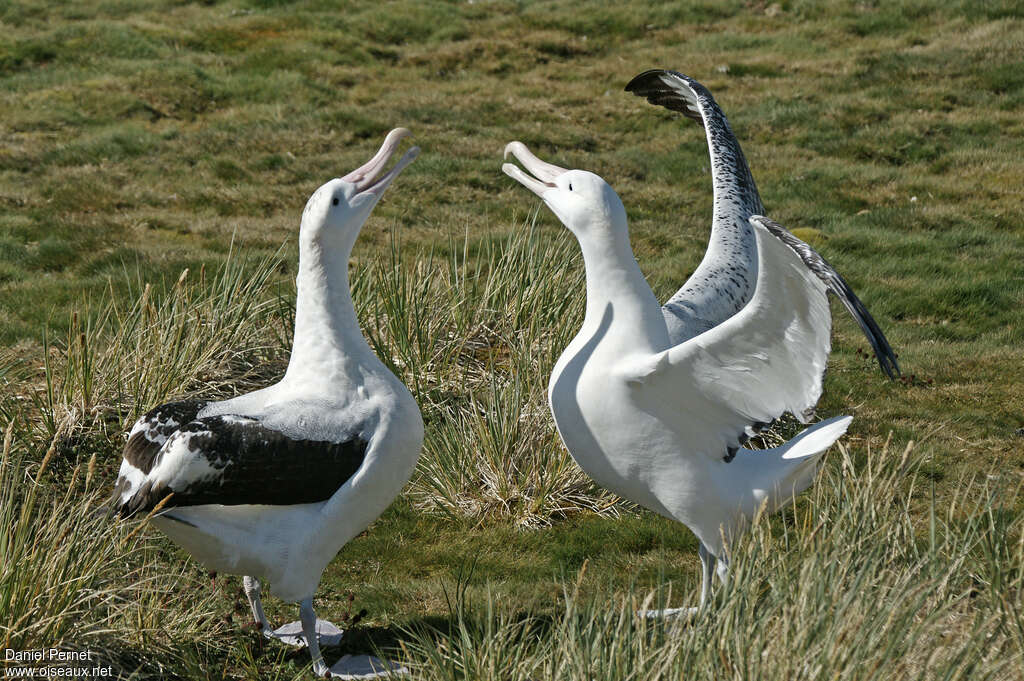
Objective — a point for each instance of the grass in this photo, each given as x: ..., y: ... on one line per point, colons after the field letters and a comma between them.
x: 501, y: 560
x: 69, y: 575
x: 143, y: 139
x: 475, y: 337
x: 893, y: 607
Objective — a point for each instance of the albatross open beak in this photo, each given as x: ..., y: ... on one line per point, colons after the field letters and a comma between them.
x: 544, y: 174
x: 365, y: 177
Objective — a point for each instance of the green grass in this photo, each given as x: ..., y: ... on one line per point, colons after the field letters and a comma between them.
x: 144, y: 138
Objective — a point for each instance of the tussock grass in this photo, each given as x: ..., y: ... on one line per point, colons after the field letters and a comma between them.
x: 120, y: 358
x: 70, y: 576
x: 475, y: 335
x: 72, y: 579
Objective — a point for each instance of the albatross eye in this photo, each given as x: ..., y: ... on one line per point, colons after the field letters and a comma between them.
x: 570, y: 186
x: 334, y: 201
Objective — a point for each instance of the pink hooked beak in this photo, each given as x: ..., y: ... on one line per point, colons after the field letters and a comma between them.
x: 544, y: 173
x: 365, y: 177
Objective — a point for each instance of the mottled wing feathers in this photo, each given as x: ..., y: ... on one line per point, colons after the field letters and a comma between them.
x: 151, y: 431
x: 234, y: 460
x: 145, y: 439
x: 678, y: 92
x: 721, y: 285
x: 724, y: 281
x: 837, y: 286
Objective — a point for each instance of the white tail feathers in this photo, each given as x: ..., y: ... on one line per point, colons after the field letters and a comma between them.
x: 816, y: 439
x: 772, y: 477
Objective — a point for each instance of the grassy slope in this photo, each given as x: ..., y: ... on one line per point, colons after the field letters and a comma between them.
x: 145, y: 138
x: 142, y: 136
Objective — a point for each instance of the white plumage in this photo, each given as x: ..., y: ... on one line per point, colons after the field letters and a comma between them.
x: 273, y: 483
x: 655, y: 402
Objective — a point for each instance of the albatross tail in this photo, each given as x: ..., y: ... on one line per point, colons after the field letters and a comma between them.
x: 776, y: 475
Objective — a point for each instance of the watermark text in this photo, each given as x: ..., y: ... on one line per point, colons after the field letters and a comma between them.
x: 52, y: 663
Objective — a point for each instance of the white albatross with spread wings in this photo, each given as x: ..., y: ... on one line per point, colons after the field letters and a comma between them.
x: 271, y: 484
x: 656, y: 402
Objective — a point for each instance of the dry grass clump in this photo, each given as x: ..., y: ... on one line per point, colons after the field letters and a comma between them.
x: 475, y: 335
x: 121, y: 357
x: 70, y: 578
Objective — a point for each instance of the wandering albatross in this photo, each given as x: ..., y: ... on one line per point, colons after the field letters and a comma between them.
x: 655, y: 402
x: 271, y: 484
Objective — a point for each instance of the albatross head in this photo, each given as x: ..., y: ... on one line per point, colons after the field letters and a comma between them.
x: 338, y: 209
x: 584, y: 202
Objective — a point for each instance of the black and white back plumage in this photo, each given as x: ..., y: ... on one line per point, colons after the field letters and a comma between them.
x: 151, y: 431
x: 227, y: 459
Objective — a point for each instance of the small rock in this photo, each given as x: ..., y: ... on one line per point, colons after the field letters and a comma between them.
x: 1019, y: 432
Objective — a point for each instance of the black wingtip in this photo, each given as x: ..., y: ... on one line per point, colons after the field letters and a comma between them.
x: 876, y: 338
x: 838, y: 287
x: 888, y: 362
x: 643, y: 80
x: 656, y: 86
x: 883, y: 351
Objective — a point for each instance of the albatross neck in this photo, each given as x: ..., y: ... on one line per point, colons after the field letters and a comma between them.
x: 615, y: 282
x: 328, y: 348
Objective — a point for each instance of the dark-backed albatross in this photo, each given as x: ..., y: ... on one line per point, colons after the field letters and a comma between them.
x: 271, y: 484
x: 655, y: 402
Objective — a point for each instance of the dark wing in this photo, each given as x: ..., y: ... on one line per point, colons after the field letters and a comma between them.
x: 151, y: 431
x: 235, y: 460
x: 837, y: 286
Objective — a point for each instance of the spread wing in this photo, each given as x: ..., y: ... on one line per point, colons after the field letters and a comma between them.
x: 233, y: 460
x: 678, y: 92
x: 838, y: 287
x: 719, y: 287
x: 763, y: 361
x: 725, y: 279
